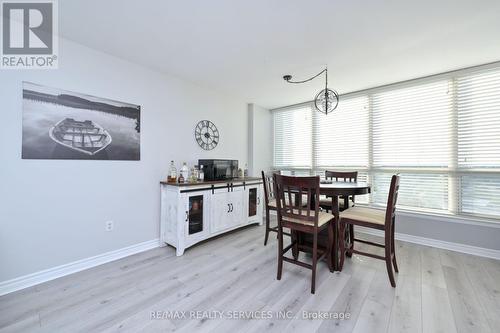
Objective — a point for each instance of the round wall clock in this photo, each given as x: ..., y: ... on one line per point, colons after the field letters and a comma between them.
x: 206, y: 134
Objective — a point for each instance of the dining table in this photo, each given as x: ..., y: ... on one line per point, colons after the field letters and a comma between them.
x: 335, y: 190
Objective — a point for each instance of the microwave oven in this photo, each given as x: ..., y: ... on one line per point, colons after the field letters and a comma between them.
x: 219, y: 169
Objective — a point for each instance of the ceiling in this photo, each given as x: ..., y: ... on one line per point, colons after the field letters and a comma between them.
x: 243, y: 48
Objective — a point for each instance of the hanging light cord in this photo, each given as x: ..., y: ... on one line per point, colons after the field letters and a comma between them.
x: 287, y: 78
x: 322, y: 100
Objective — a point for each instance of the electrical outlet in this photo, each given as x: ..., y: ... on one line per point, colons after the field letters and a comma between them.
x: 109, y: 225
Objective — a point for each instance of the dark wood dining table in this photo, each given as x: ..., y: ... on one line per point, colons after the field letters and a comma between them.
x: 335, y: 189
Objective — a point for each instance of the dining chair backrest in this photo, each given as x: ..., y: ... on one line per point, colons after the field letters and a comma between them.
x: 268, y: 182
x: 290, y: 191
x: 391, y: 201
x: 347, y: 176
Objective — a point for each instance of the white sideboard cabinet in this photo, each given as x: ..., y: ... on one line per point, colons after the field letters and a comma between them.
x: 191, y: 213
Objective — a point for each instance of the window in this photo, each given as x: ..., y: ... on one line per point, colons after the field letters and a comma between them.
x: 417, y: 191
x: 478, y: 105
x: 293, y: 138
x: 411, y: 126
x: 346, y: 136
x: 411, y: 135
x: 480, y: 195
x: 478, y: 100
x: 441, y: 134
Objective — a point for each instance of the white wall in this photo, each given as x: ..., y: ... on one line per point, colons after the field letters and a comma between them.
x: 260, y: 140
x: 42, y: 226
x: 455, y: 230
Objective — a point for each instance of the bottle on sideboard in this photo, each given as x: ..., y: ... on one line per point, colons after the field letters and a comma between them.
x: 193, y: 175
x: 245, y: 171
x: 184, y: 173
x: 172, y: 173
x: 201, y: 174
x: 196, y: 174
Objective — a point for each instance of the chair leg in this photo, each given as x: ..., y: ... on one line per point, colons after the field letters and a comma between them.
x: 330, y: 246
x: 393, y: 248
x: 267, y: 227
x: 388, y: 259
x: 342, y: 245
x: 314, y: 262
x: 351, y: 240
x: 295, y: 248
x: 280, y: 252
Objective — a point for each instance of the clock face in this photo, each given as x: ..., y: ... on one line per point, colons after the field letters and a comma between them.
x: 206, y: 134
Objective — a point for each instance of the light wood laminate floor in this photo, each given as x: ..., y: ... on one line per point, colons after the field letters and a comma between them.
x: 437, y: 291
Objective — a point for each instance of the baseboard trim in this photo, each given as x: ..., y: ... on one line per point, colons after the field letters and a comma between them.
x: 457, y: 247
x: 30, y: 280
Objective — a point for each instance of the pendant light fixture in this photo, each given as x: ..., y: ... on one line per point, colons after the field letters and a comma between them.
x: 326, y: 100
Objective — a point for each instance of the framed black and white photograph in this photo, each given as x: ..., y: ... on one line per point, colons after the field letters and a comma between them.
x: 59, y: 124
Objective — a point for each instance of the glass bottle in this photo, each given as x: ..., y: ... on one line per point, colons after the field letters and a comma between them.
x: 185, y: 172
x: 191, y: 176
x: 195, y: 174
x: 172, y: 173
x: 245, y: 171
x: 201, y: 174
x: 181, y: 178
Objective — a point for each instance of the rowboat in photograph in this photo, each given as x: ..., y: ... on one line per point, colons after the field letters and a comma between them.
x: 86, y: 136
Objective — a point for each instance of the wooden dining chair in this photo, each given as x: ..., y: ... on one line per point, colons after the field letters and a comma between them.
x: 346, y: 176
x: 376, y: 219
x: 269, y: 200
x: 326, y: 202
x: 298, y: 217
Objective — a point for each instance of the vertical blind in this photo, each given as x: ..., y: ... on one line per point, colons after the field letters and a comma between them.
x: 442, y: 134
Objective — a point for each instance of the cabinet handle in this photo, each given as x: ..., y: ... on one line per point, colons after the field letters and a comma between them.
x: 229, y: 208
x: 232, y: 207
x: 258, y: 200
x: 187, y: 215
